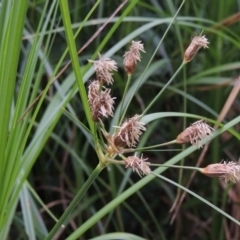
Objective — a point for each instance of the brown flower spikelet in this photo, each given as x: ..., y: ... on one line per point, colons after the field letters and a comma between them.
x: 197, y: 43
x: 104, y: 67
x: 138, y: 165
x: 93, y: 91
x: 229, y: 171
x: 132, y: 56
x: 129, y: 132
x: 101, y: 103
x: 195, y: 133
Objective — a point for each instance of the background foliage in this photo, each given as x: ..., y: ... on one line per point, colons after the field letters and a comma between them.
x: 46, y: 153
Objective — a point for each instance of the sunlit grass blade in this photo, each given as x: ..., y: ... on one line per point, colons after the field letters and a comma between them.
x: 17, y: 131
x: 27, y: 212
x: 10, y: 46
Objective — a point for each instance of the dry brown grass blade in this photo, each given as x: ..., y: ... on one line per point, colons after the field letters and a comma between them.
x: 231, y: 230
x: 212, y: 87
x: 232, y: 96
x: 80, y: 51
x: 228, y: 21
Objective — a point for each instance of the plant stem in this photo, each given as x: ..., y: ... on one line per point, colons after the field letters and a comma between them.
x: 153, y: 55
x: 75, y: 201
x: 120, y: 118
x: 115, y: 161
x: 165, y: 86
x: 120, y: 162
x: 154, y: 146
x: 175, y: 166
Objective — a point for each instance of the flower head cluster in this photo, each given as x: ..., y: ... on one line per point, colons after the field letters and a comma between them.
x: 129, y: 132
x: 229, y: 171
x: 132, y: 56
x: 104, y: 67
x: 101, y: 102
x: 138, y: 165
x: 197, y: 43
x: 195, y: 133
x: 93, y: 91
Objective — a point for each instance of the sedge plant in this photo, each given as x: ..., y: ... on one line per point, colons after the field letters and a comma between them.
x: 117, y: 144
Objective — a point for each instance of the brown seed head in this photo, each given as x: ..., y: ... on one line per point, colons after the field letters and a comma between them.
x: 197, y: 43
x: 229, y: 171
x: 93, y: 91
x: 129, y: 132
x: 138, y: 165
x: 101, y: 103
x: 132, y: 56
x: 195, y: 133
x: 104, y: 68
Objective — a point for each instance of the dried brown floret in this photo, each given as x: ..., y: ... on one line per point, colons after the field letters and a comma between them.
x: 229, y: 171
x: 197, y: 43
x: 138, y: 165
x: 101, y: 102
x: 195, y: 133
x: 132, y: 56
x: 129, y: 132
x: 104, y: 67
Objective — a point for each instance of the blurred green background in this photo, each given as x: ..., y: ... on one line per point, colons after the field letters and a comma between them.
x: 64, y: 156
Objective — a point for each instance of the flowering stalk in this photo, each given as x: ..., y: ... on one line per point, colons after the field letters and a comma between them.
x: 176, y: 166
x: 122, y: 115
x: 162, y: 90
x: 130, y: 61
x: 151, y: 59
x: 229, y: 171
x: 150, y: 147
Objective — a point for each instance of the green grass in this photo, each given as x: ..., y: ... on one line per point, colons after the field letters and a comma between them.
x: 55, y: 178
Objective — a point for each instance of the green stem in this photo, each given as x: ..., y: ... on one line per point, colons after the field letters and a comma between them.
x: 75, y: 201
x: 113, y: 161
x: 151, y: 59
x: 175, y: 166
x: 129, y: 150
x: 154, y: 146
x: 165, y: 86
x: 109, y: 160
x: 123, y: 100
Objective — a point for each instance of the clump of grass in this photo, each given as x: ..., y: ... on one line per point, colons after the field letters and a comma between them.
x: 25, y: 130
